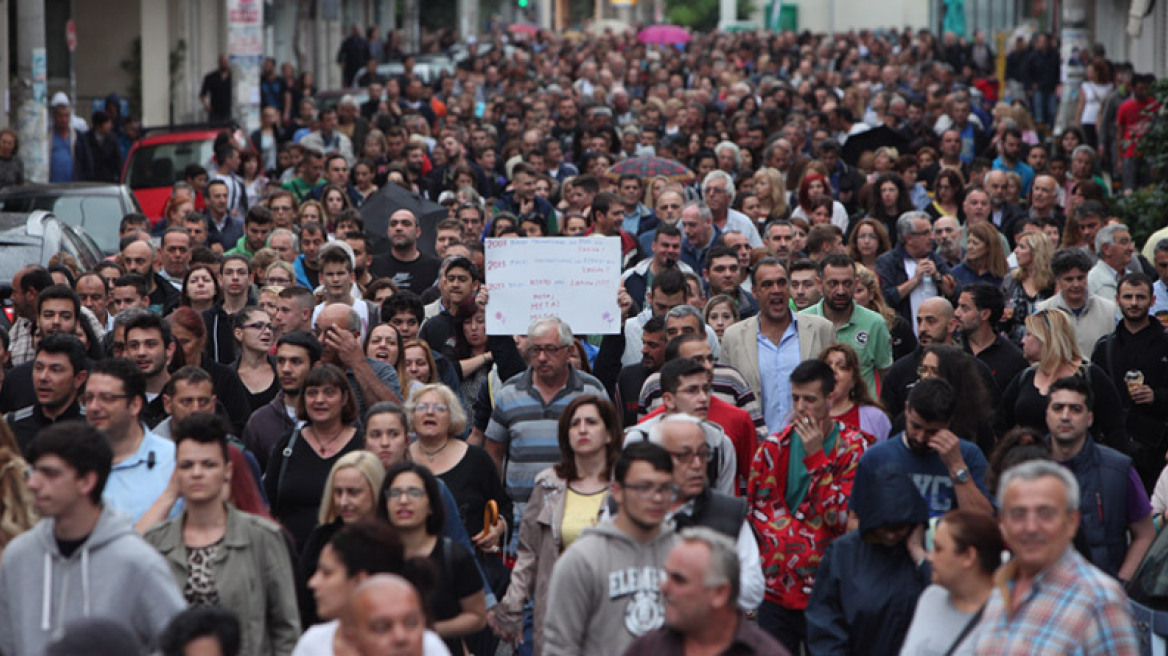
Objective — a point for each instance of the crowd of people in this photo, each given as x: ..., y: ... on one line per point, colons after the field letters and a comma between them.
x: 901, y: 397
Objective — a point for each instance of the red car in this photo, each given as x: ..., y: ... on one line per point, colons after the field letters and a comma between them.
x: 158, y: 159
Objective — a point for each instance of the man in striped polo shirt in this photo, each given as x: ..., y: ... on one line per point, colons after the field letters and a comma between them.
x: 522, y: 435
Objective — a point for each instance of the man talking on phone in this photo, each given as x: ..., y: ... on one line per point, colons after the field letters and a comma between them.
x: 948, y: 471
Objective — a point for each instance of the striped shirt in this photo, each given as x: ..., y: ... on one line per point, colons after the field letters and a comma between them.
x: 728, y: 385
x: 528, y: 426
x: 1071, y: 608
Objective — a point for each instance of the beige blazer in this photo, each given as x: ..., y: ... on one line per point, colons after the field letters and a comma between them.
x: 740, y: 345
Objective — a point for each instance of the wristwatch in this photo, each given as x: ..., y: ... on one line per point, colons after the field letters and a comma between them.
x: 961, y: 476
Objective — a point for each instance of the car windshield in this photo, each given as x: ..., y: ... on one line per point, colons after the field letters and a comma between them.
x: 98, y: 215
x: 162, y: 165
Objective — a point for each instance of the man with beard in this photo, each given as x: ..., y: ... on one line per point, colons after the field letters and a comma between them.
x: 935, y: 325
x: 457, y: 287
x: 780, y: 238
x: 631, y: 378
x: 855, y: 325
x: 296, y: 354
x: 948, y: 471
x: 58, y: 374
x: 979, y: 309
x: 1114, y: 509
x: 415, y: 155
x: 1139, y: 345
x: 307, y: 266
x: 138, y: 257
x: 805, y: 287
x: 410, y: 268
x: 151, y: 346
x: 947, y: 234
x: 1003, y: 213
x: 1009, y: 148
x: 216, y: 91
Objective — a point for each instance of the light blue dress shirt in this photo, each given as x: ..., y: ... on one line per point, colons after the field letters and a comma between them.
x: 775, y: 364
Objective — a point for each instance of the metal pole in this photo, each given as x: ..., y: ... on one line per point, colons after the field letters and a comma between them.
x: 4, y: 110
x: 29, y: 94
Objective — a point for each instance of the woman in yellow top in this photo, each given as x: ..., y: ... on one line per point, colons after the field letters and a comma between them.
x: 566, y: 499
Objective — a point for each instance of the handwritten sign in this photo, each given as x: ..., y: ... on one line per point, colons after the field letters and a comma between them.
x: 574, y: 278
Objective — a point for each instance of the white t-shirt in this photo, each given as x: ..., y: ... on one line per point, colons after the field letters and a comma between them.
x: 1093, y: 95
x: 921, y: 293
x: 318, y: 641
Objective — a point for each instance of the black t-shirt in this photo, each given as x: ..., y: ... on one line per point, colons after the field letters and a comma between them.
x: 473, y: 481
x: 68, y: 547
x: 458, y: 577
x: 296, y: 499
x: 218, y: 87
x: 415, y: 275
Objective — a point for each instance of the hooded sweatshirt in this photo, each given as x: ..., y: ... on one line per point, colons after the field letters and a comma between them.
x: 114, y: 574
x: 605, y: 591
x: 865, y: 592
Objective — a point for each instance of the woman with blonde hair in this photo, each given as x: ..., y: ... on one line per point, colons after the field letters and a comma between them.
x: 984, y: 260
x: 771, y: 193
x: 867, y: 294
x: 1030, y: 283
x: 17, y: 512
x: 350, y: 496
x: 1051, y: 348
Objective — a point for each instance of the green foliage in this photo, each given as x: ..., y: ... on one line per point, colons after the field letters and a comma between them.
x: 1146, y: 210
x: 700, y: 14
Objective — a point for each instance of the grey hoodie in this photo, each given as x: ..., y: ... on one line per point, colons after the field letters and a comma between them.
x: 605, y: 591
x: 114, y: 574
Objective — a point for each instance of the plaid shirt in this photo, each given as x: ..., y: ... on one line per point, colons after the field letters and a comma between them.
x: 1071, y: 608
x: 22, y: 347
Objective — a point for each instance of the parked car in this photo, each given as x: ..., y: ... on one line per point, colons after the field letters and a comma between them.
x: 157, y: 160
x: 98, y: 207
x: 34, y: 238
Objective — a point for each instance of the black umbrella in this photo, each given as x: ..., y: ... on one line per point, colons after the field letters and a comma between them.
x: 858, y: 144
x: 390, y: 199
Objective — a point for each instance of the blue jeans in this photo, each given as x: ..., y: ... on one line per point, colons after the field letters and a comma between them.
x: 1045, y: 106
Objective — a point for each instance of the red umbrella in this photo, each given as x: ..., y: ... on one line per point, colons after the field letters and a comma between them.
x: 523, y: 28
x: 651, y: 167
x: 664, y: 34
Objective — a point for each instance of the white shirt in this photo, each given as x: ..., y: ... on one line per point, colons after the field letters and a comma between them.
x: 318, y: 641
x: 922, y: 292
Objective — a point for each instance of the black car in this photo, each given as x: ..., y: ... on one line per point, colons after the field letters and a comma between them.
x: 98, y: 207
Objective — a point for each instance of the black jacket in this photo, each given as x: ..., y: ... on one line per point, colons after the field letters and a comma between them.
x: 865, y: 592
x: 890, y: 269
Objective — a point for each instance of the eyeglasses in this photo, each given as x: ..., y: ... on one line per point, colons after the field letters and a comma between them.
x: 104, y: 397
x: 549, y: 350
x: 259, y: 325
x: 436, y: 407
x: 411, y: 492
x: 1045, y: 514
x: 649, y: 490
x: 686, y: 457
x: 924, y: 370
x: 278, y: 281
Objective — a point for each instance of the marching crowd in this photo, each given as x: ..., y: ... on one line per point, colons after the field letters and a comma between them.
x: 890, y: 376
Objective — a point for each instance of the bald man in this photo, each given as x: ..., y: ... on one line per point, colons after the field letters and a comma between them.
x: 137, y: 256
x: 338, y: 327
x: 386, y: 616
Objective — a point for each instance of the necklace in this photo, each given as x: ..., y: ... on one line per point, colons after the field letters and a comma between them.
x: 430, y: 455
x: 324, y: 444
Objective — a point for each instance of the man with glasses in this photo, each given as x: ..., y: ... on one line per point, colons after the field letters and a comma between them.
x: 668, y: 211
x: 524, y: 421
x: 605, y: 589
x: 283, y: 207
x: 410, y: 268
x: 696, y: 504
x: 142, y: 462
x: 800, y: 483
x: 912, y: 272
x: 1077, y: 608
